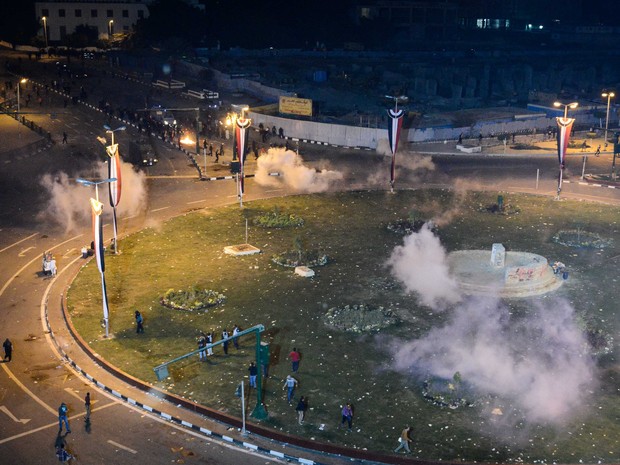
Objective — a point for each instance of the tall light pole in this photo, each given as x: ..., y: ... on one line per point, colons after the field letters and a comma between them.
x: 110, y: 23
x: 19, y: 83
x: 45, y: 30
x: 609, y: 96
x: 565, y: 126
x: 97, y: 209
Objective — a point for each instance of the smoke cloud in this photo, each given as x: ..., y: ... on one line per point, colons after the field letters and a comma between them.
x: 420, y: 265
x: 68, y: 204
x: 293, y: 173
x: 534, y: 361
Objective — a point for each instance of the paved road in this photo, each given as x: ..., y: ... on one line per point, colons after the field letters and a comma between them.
x: 37, y: 380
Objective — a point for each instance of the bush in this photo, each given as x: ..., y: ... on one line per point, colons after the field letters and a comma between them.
x: 275, y: 219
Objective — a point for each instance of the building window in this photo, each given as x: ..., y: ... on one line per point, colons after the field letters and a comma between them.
x: 78, y: 13
x: 45, y: 12
x: 93, y: 13
x: 110, y: 14
x: 140, y: 14
x: 63, y: 32
x: 125, y: 13
x: 126, y: 28
x: 61, y: 13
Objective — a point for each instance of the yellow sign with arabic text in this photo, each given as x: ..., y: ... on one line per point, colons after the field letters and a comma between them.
x: 296, y: 106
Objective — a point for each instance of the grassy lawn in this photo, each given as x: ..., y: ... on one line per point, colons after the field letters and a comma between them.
x: 337, y: 366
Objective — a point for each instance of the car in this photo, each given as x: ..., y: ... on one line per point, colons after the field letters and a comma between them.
x: 162, y: 115
x: 149, y: 161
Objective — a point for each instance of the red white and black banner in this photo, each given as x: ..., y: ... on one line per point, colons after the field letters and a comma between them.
x: 97, y: 210
x: 242, y: 126
x: 114, y: 172
x: 565, y: 126
x: 395, y: 125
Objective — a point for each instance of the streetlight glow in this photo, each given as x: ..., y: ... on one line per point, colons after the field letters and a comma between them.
x: 566, y: 106
x: 109, y: 130
x: 110, y: 23
x: 45, y: 29
x: 21, y: 81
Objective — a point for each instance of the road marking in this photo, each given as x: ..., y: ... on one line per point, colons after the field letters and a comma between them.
x: 28, y: 391
x: 23, y: 251
x: 18, y: 242
x: 69, y: 252
x: 13, y: 417
x: 76, y: 395
x: 120, y: 446
x: 196, y: 201
x: 159, y: 209
x: 52, y: 425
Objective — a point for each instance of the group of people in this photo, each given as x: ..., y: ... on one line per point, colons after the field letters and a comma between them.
x: 205, y: 340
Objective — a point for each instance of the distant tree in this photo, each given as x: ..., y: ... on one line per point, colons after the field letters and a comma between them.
x: 83, y: 36
x: 18, y: 23
x: 171, y: 19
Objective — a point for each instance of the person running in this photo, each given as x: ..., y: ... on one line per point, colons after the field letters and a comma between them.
x: 404, y: 440
x: 64, y: 137
x: 598, y: 151
x: 8, y: 350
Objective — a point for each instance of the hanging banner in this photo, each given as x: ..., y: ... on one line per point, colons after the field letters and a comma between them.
x: 241, y: 136
x: 114, y: 172
x: 565, y: 126
x: 97, y: 210
x: 394, y: 127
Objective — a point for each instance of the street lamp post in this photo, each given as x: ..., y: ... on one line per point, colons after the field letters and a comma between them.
x: 564, y: 129
x: 98, y: 240
x: 110, y: 24
x: 609, y: 96
x: 21, y: 81
x: 45, y: 30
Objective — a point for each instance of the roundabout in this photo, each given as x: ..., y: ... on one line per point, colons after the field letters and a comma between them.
x: 365, y: 367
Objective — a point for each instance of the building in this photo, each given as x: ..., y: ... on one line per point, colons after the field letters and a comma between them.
x: 60, y: 18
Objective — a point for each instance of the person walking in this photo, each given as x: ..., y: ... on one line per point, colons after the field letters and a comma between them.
x: 87, y: 406
x: 8, y: 350
x: 221, y: 149
x: 209, y: 341
x: 295, y: 358
x: 64, y: 137
x: 301, y: 408
x: 289, y: 385
x: 235, y: 336
x: 139, y: 323
x: 62, y: 417
x: 253, y: 374
x: 598, y: 151
x: 404, y: 440
x: 202, y: 344
x: 347, y: 416
x: 225, y: 339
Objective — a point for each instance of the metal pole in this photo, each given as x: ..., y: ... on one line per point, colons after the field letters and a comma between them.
x: 537, y: 177
x: 18, y: 86
x: 106, y: 320
x: 246, y: 230
x: 607, y: 117
x: 583, y: 169
x: 259, y: 411
x: 243, y: 432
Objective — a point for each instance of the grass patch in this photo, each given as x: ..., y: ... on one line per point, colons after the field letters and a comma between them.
x: 340, y: 366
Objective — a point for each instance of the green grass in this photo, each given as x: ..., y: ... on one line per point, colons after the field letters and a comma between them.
x: 339, y: 367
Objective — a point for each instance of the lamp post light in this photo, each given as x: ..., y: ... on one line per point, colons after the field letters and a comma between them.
x: 45, y: 30
x: 566, y: 106
x: 21, y: 81
x: 609, y: 96
x: 110, y: 25
x: 109, y: 130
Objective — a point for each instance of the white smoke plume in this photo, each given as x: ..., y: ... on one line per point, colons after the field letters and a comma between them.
x: 420, y: 264
x: 293, y: 173
x: 68, y: 204
x: 538, y: 361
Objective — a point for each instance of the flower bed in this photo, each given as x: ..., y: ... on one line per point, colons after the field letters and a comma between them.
x: 291, y: 259
x: 276, y: 219
x: 359, y: 318
x: 192, y: 299
x: 581, y: 239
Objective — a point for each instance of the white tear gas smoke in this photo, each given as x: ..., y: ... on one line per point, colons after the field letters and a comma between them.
x: 536, y: 361
x: 420, y: 264
x: 293, y: 172
x: 68, y: 204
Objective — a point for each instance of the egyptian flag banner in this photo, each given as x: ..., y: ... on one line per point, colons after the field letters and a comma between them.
x: 242, y: 126
x: 114, y: 172
x: 565, y: 126
x: 97, y: 210
x: 394, y: 127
